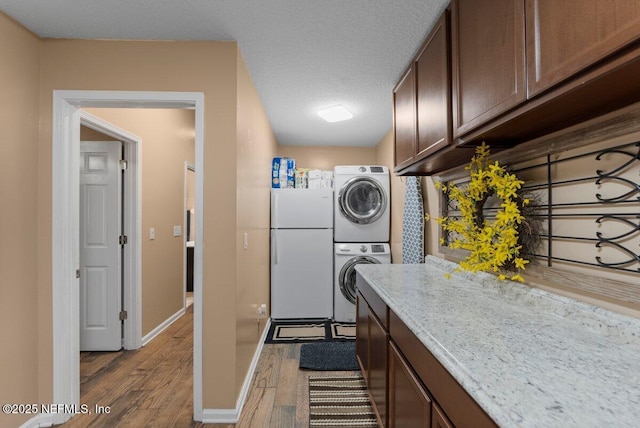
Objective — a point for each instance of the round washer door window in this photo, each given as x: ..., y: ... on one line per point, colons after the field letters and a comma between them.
x: 362, y: 200
x: 347, y: 276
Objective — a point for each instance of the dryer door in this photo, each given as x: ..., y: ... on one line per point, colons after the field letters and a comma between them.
x: 362, y: 200
x: 347, y: 276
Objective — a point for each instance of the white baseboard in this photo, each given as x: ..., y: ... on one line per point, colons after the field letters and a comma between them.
x: 231, y: 416
x: 220, y: 416
x: 160, y: 328
x: 39, y: 421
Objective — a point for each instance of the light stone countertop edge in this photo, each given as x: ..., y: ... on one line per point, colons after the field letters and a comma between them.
x: 565, y: 314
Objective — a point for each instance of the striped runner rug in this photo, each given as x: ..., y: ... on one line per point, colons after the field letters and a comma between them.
x: 339, y: 401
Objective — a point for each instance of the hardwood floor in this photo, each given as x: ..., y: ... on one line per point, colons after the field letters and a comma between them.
x: 153, y: 386
x: 279, y: 396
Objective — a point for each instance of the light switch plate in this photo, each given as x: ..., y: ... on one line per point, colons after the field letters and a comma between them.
x: 152, y: 233
x: 177, y: 230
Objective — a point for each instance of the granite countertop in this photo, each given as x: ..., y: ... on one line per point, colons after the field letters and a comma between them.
x: 528, y: 357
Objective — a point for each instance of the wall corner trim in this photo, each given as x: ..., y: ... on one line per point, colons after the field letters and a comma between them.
x: 65, y: 158
x: 231, y: 416
x: 38, y: 421
x: 162, y: 326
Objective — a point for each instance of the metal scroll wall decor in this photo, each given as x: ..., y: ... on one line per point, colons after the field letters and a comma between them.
x: 630, y: 258
x: 588, y: 206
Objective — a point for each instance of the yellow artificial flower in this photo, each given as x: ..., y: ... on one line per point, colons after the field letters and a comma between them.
x: 520, y: 262
x: 493, y: 244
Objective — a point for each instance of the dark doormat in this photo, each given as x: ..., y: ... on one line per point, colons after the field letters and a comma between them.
x: 310, y: 331
x: 329, y: 356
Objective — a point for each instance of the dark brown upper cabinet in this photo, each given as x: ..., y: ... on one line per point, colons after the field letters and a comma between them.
x: 525, y: 68
x: 517, y: 70
x: 488, y: 60
x: 423, y: 141
x: 404, y: 119
x: 566, y: 37
x: 433, y: 89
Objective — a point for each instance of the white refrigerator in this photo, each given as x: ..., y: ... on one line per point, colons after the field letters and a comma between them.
x: 301, y: 253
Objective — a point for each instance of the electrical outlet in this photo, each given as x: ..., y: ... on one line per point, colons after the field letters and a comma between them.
x: 245, y: 241
x: 262, y: 310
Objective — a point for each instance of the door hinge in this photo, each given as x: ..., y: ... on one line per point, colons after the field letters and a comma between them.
x: 123, y: 164
x: 122, y: 239
x: 123, y: 315
x: 77, y: 273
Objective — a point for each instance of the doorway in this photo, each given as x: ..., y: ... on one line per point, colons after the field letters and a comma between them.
x: 65, y: 236
x: 131, y: 253
x: 189, y: 247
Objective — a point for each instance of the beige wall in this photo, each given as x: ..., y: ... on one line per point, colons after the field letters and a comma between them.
x: 385, y: 156
x: 256, y: 146
x: 326, y: 158
x: 19, y: 78
x: 167, y: 142
x: 208, y: 67
x: 36, y: 68
x: 88, y: 134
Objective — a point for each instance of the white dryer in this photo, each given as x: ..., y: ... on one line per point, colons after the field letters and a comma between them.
x: 362, y: 199
x: 347, y: 256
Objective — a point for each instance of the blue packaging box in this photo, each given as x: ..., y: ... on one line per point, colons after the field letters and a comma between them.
x: 283, y: 173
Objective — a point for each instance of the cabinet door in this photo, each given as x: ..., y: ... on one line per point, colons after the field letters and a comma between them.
x: 378, y: 342
x: 439, y: 419
x: 404, y: 119
x: 409, y: 404
x: 433, y: 88
x: 487, y: 42
x: 362, y: 335
x: 565, y: 37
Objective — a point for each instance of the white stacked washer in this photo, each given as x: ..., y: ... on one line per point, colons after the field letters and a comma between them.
x: 347, y: 256
x: 362, y: 199
x: 361, y: 229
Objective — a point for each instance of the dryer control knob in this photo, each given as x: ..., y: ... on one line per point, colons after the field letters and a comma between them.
x: 362, y: 169
x: 363, y: 248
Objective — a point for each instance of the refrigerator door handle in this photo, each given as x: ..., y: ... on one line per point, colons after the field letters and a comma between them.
x: 275, y: 247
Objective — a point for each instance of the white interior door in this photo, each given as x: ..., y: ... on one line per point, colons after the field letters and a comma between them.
x: 100, y: 251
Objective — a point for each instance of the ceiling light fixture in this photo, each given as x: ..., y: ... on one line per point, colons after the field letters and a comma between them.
x: 335, y: 114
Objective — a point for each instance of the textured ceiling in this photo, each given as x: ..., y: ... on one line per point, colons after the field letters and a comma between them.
x: 303, y: 55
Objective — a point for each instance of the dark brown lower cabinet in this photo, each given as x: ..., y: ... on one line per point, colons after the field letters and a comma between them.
x: 362, y: 336
x: 408, y: 385
x: 409, y: 404
x: 378, y: 346
x: 439, y: 419
x: 372, y: 341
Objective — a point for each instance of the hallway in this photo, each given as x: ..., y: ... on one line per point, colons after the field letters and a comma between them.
x: 153, y: 386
